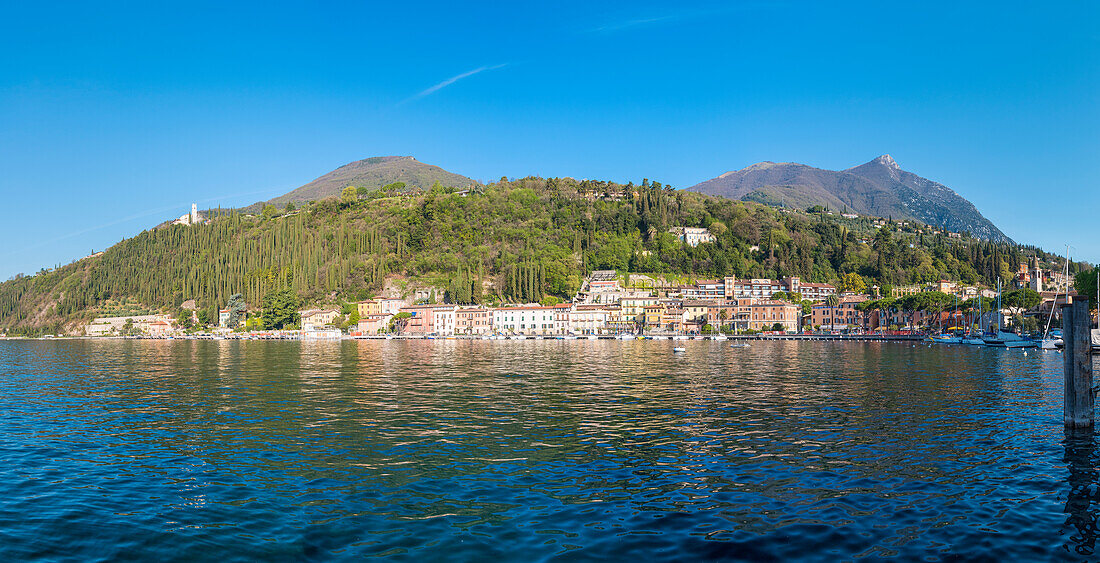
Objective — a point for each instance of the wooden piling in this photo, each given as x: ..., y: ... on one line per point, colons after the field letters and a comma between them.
x: 1077, y: 362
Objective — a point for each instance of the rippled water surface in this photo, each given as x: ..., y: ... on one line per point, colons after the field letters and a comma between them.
x: 530, y: 450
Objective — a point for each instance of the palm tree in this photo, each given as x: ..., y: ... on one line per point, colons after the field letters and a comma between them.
x: 833, y: 302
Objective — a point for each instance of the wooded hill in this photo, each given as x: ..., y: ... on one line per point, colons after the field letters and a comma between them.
x: 371, y: 173
x: 512, y: 241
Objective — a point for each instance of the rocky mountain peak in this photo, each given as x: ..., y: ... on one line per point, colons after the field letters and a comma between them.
x: 878, y: 188
x: 887, y: 160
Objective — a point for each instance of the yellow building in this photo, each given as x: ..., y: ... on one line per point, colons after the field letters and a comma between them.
x: 652, y: 315
x: 633, y: 306
x: 318, y: 317
x: 696, y: 311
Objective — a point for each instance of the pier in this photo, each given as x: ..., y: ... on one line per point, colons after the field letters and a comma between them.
x: 1077, y: 362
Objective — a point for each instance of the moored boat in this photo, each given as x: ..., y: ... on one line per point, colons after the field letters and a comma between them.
x: 945, y: 339
x: 1005, y: 339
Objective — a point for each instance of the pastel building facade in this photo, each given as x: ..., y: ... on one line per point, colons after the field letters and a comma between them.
x: 473, y: 321
x: 529, y: 320
x: 764, y: 315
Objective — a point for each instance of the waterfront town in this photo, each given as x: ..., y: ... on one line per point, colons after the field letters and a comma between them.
x: 612, y: 304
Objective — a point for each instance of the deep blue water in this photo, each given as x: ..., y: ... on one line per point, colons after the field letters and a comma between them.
x: 533, y: 450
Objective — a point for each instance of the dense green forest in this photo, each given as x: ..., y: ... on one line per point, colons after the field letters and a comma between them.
x: 512, y: 241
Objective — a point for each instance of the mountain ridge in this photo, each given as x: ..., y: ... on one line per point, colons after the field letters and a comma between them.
x: 879, y: 187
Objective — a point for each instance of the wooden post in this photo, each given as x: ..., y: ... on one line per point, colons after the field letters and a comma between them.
x: 1077, y: 362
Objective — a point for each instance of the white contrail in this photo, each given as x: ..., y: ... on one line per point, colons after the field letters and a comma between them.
x: 452, y: 80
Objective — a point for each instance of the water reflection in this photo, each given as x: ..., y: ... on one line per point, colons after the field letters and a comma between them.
x: 1083, y: 496
x: 532, y: 449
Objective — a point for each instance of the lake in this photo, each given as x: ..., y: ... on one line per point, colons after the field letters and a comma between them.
x: 535, y: 450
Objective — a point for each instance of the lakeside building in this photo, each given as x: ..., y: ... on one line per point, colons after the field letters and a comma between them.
x: 734, y: 313
x: 419, y: 321
x: 160, y: 328
x: 530, y: 320
x: 762, y: 288
x: 843, y: 316
x: 756, y: 288
x: 425, y: 320
x: 617, y: 323
x: 672, y: 319
x: 692, y: 236
x: 726, y: 304
x: 764, y: 315
x: 695, y: 312
x: 652, y: 315
x: 317, y: 318
x: 473, y: 321
x: 562, y: 314
x: 223, y: 318
x: 107, y: 326
x: 588, y: 319
x: 319, y: 333
x: 379, y: 306
x: 374, y: 324
x: 634, y: 307
x: 705, y: 289
x: 443, y: 319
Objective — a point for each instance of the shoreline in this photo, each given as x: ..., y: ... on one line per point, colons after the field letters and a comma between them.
x: 498, y: 338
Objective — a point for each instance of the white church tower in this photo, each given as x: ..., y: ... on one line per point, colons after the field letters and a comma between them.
x: 194, y: 214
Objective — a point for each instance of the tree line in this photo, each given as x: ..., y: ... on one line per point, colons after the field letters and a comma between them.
x: 525, y: 240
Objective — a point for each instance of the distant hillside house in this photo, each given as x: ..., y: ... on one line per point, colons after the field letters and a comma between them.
x: 693, y: 236
x: 192, y: 218
x: 603, y: 280
x: 816, y: 291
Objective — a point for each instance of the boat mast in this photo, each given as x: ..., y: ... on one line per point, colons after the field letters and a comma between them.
x: 981, y: 315
x: 1050, y: 317
x: 998, y: 307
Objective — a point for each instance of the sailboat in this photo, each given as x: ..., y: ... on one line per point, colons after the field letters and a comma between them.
x: 947, y: 337
x: 1003, y: 338
x: 1049, y: 342
x: 971, y: 338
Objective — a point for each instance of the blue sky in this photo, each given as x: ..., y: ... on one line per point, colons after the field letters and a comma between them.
x: 116, y: 116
